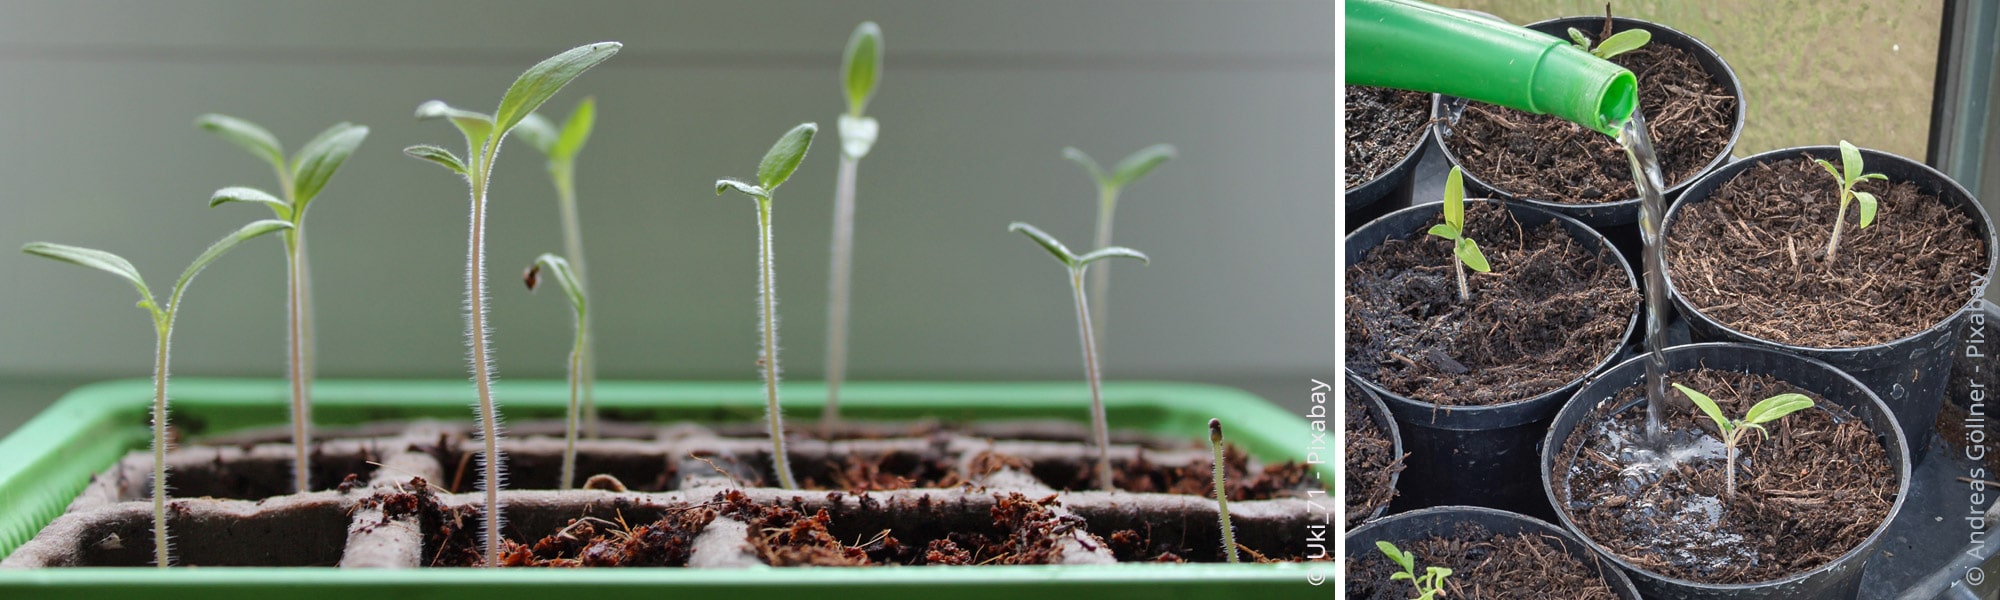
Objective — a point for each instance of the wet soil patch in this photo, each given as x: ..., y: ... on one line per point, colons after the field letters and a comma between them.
x: 1752, y: 257
x: 1548, y: 312
x: 1141, y: 475
x: 1815, y: 489
x: 1372, y: 463
x: 1542, y: 157
x: 1484, y: 567
x: 1382, y: 125
x: 1016, y: 531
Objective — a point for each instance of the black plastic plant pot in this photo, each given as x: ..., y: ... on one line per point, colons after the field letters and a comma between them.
x: 1910, y: 374
x: 1840, y: 578
x: 1617, y: 220
x: 1379, y: 414
x: 1390, y: 190
x: 1446, y: 521
x: 1477, y: 455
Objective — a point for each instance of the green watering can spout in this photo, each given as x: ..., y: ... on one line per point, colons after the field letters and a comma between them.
x: 1411, y: 45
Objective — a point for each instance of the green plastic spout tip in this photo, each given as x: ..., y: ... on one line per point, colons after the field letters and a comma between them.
x: 1411, y: 45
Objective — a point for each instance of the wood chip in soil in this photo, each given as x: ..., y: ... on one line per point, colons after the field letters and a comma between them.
x: 1815, y: 489
x: 1382, y: 125
x: 1752, y: 257
x: 1688, y: 115
x: 1371, y: 463
x: 1484, y: 567
x: 1547, y: 313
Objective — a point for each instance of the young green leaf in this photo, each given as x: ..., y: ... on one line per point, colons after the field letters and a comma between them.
x: 249, y: 136
x: 319, y: 158
x: 477, y: 127
x: 1445, y: 231
x: 250, y: 195
x: 1112, y: 252
x: 543, y: 80
x: 1850, y: 162
x: 1140, y: 163
x: 576, y: 130
x: 723, y: 185
x: 1867, y: 201
x: 1776, y: 407
x: 1622, y: 42
x: 1708, y: 406
x: 224, y: 245
x: 1048, y: 242
x: 538, y: 132
x: 558, y: 269
x: 784, y: 156
x: 1402, y: 559
x: 1576, y: 38
x: 861, y: 66
x: 95, y: 259
x: 1089, y: 166
x: 1454, y: 199
x: 437, y: 155
x: 1468, y: 253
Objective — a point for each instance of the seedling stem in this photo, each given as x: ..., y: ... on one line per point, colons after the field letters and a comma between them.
x: 1222, y: 492
x: 861, y: 71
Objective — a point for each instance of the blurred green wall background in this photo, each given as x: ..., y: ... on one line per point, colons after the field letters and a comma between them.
x: 97, y: 148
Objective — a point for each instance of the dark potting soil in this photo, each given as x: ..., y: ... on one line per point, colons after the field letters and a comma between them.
x: 1546, y: 314
x: 1752, y: 257
x: 1023, y: 533
x: 1815, y: 489
x: 1484, y: 567
x: 1279, y: 480
x: 1542, y: 157
x: 451, y: 537
x: 1382, y: 125
x: 1371, y: 463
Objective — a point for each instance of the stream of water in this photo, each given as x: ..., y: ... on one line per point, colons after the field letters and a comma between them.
x: 1647, y: 181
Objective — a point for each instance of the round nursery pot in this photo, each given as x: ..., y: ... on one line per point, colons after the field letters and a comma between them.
x: 1458, y: 522
x: 1389, y: 189
x: 1840, y: 577
x: 1368, y: 459
x: 1482, y: 455
x: 1909, y: 373
x: 1618, y: 219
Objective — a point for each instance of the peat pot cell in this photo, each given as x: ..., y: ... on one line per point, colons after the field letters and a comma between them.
x: 211, y: 533
x: 572, y: 529
x: 262, y: 472
x: 539, y: 469
x: 844, y: 472
x: 1192, y: 477
x: 947, y: 528
x: 1168, y: 529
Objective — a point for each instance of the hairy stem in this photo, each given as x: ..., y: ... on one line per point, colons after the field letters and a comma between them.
x: 1729, y: 480
x: 295, y: 296
x: 1100, y: 280
x: 1464, y: 290
x: 482, y: 377
x: 1839, y: 219
x: 575, y: 391
x: 572, y: 227
x: 839, y: 278
x: 1099, y: 429
x: 767, y: 299
x: 1222, y: 496
x: 165, y: 330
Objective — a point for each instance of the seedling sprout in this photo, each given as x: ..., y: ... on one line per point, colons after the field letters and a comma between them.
x: 1768, y: 410
x: 1465, y: 251
x: 561, y: 145
x: 860, y: 73
x: 163, y: 329
x: 1222, y: 492
x: 1429, y: 586
x: 1619, y: 43
x: 1109, y: 186
x: 1849, y: 174
x: 778, y: 164
x: 1077, y: 265
x: 300, y: 180
x: 559, y: 270
x: 483, y: 134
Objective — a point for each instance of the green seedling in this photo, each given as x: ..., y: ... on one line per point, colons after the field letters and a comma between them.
x: 1619, y: 43
x: 1849, y: 174
x: 483, y: 134
x: 1453, y: 229
x: 1429, y: 586
x: 1109, y: 186
x: 163, y: 328
x: 1077, y: 266
x: 300, y: 180
x: 1732, y: 430
x: 777, y: 166
x: 559, y: 270
x: 1222, y: 492
x: 561, y: 145
x: 860, y: 73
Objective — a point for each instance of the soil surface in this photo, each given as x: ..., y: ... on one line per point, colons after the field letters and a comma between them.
x: 1023, y: 532
x: 1371, y: 463
x: 1382, y: 125
x: 1815, y: 489
x: 1484, y: 567
x: 1752, y: 257
x: 1542, y: 157
x: 1282, y: 480
x: 451, y: 536
x: 1546, y: 314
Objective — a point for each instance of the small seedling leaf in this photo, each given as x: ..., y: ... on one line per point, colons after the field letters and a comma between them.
x: 250, y: 195
x: 1835, y: 171
x: 1468, y: 251
x: 784, y: 157
x: 95, y: 259
x: 543, y: 80
x: 1708, y: 407
x: 1867, y: 208
x: 723, y: 185
x: 857, y: 135
x: 477, y: 127
x: 223, y: 246
x: 249, y: 136
x: 1576, y: 37
x: 1622, y: 42
x: 1047, y: 241
x: 861, y: 66
x: 554, y: 267
x: 1140, y: 163
x: 1454, y: 199
x: 1850, y: 162
x: 437, y: 155
x: 321, y: 157
x: 1402, y: 559
x: 1874, y: 176
x: 576, y: 130
x: 538, y: 132
x: 1112, y: 252
x: 1089, y: 166
x: 1444, y: 231
x: 1776, y: 407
